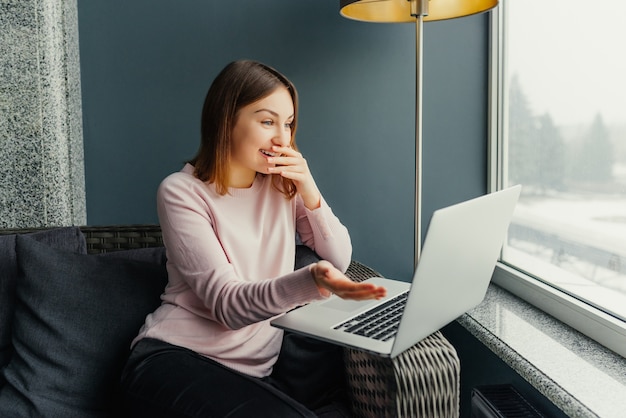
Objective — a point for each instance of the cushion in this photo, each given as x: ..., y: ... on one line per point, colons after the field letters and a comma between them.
x: 304, y: 257
x: 75, y: 318
x: 67, y: 238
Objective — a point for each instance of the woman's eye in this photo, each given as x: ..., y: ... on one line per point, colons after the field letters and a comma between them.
x: 268, y: 122
x: 289, y: 125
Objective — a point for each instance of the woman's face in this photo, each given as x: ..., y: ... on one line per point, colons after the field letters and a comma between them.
x: 258, y: 127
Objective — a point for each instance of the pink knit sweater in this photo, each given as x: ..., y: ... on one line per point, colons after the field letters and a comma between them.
x: 230, y: 265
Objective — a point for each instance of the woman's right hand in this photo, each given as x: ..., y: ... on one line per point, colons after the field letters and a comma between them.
x: 330, y: 280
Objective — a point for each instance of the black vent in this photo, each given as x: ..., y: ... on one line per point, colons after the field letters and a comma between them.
x: 500, y: 401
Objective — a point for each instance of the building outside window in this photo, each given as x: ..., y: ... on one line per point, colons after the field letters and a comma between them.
x: 560, y: 103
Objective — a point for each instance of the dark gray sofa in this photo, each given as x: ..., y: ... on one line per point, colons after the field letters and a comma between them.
x: 73, y: 298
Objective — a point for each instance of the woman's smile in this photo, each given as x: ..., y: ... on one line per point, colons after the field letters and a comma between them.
x: 270, y: 153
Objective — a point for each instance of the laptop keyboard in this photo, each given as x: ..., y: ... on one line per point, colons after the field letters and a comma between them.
x: 380, y: 322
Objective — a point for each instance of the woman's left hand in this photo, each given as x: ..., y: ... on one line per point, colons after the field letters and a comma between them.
x: 292, y: 165
x: 330, y: 280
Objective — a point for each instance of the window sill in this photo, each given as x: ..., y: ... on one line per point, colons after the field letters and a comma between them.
x: 578, y: 375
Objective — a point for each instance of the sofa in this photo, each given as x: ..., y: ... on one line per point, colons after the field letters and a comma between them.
x: 73, y: 298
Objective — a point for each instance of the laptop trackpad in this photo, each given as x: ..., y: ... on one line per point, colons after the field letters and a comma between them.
x: 347, y: 305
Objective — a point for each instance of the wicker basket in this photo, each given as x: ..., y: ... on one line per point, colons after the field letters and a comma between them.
x: 423, y: 381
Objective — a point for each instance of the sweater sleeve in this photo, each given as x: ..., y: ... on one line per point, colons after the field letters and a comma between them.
x: 197, y: 261
x: 322, y: 231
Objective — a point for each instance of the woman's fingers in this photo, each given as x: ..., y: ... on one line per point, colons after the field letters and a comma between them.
x: 359, y: 291
x: 292, y: 165
x: 331, y: 279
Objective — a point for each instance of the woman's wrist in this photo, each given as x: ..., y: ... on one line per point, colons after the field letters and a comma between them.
x: 314, y: 275
x: 312, y: 201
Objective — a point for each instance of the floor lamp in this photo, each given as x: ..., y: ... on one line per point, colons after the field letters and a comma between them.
x: 418, y: 11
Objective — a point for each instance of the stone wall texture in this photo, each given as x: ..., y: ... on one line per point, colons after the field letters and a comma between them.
x: 41, y: 141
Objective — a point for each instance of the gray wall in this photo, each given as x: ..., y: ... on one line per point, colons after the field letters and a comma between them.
x: 146, y: 66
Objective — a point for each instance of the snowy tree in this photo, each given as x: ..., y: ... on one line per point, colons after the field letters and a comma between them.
x: 552, y: 154
x: 522, y: 137
x: 595, y: 157
x: 536, y: 148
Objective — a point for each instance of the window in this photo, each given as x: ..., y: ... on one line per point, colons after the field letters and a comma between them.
x: 559, y: 129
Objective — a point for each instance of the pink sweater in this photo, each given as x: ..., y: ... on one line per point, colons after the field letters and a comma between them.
x: 230, y: 265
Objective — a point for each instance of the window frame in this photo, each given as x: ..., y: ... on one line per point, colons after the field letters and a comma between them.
x: 593, y: 322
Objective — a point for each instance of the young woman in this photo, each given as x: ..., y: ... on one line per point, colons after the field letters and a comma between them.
x: 230, y: 220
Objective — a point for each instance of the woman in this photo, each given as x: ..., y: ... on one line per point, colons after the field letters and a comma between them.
x: 229, y: 221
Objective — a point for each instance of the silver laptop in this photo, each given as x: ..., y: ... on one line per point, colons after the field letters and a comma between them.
x: 458, y: 258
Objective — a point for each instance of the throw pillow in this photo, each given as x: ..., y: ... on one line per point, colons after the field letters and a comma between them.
x: 305, y: 256
x: 65, y: 238
x: 75, y: 318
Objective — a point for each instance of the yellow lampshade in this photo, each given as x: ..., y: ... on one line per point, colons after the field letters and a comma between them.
x: 400, y: 10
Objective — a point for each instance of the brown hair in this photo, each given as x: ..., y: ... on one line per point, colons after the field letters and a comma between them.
x: 239, y: 84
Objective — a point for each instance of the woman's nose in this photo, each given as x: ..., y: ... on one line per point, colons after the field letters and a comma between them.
x: 283, y: 138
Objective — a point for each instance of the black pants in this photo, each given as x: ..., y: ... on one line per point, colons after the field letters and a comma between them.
x: 163, y: 380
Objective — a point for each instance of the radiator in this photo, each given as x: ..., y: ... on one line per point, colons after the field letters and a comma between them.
x: 501, y: 401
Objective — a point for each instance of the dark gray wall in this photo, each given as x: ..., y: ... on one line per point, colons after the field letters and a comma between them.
x: 146, y: 65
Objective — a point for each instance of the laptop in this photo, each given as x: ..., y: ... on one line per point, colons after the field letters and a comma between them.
x: 459, y: 255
